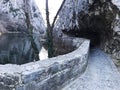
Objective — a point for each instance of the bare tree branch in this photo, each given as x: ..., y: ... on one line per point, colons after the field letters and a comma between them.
x: 47, y: 14
x: 50, y: 28
x: 30, y: 29
x: 58, y: 13
x: 49, y: 32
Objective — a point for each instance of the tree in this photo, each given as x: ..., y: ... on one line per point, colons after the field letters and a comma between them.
x: 30, y: 29
x: 50, y: 28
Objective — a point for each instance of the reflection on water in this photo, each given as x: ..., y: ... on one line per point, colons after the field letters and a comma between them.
x: 18, y: 48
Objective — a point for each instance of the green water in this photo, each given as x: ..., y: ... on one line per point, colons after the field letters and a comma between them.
x: 17, y: 48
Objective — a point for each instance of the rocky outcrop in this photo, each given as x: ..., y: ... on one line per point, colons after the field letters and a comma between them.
x: 13, y: 17
x: 20, y: 16
x: 68, y: 19
x: 117, y: 3
x: 97, y: 20
x: 116, y: 34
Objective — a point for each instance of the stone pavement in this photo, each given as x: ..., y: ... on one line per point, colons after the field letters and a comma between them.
x: 101, y: 74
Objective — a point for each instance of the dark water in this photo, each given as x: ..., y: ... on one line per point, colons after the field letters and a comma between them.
x: 18, y: 48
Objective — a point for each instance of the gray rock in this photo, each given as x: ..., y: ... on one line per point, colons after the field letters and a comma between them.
x: 13, y: 18
x: 97, y: 20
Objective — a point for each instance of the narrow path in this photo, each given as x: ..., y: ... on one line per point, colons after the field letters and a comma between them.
x: 101, y: 74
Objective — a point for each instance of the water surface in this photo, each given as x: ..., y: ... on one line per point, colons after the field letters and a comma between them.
x: 17, y: 48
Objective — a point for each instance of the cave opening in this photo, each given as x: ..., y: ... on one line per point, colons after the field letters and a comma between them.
x: 93, y: 36
x: 96, y: 28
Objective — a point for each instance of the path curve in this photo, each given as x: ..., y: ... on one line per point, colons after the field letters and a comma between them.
x: 101, y: 74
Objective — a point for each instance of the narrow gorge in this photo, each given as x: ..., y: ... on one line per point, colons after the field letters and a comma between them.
x: 86, y: 40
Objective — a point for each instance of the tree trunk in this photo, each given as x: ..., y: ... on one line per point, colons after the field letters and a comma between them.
x: 49, y: 33
x: 30, y: 30
x: 50, y: 28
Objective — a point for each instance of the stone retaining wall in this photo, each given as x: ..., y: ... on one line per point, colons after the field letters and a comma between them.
x: 50, y: 74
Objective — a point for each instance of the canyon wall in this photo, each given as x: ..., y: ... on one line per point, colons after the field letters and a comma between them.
x: 97, y: 20
x: 13, y: 16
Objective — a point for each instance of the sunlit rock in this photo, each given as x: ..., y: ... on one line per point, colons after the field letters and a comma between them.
x: 117, y: 3
x: 12, y: 16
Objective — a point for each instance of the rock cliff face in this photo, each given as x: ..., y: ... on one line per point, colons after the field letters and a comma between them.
x: 97, y: 20
x: 13, y: 18
x: 68, y: 17
x: 23, y: 23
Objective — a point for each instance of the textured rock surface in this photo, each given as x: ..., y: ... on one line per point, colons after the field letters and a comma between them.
x: 117, y: 3
x: 68, y: 19
x: 97, y: 20
x: 48, y: 74
x: 13, y: 18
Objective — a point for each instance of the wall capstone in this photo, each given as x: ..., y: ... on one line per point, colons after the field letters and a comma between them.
x: 49, y: 74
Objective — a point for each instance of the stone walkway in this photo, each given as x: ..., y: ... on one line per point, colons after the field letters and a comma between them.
x: 101, y: 74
